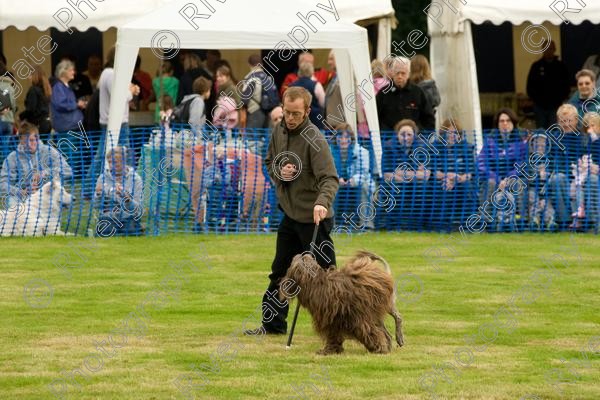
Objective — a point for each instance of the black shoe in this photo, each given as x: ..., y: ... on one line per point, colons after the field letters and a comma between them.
x: 261, y: 331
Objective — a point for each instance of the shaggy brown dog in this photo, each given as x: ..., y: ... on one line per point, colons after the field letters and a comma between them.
x: 347, y: 303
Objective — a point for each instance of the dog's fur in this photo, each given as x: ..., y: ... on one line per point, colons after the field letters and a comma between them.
x: 347, y: 303
x: 39, y: 214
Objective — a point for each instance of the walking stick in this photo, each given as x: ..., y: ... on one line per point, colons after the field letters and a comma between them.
x: 289, y: 342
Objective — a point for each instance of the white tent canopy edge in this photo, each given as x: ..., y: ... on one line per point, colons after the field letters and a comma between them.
x: 348, y: 41
x: 452, y: 54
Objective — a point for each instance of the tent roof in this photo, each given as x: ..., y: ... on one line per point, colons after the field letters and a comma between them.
x: 240, y: 25
x: 39, y: 13
x: 534, y: 11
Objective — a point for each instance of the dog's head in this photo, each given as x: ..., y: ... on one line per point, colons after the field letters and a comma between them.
x: 55, y: 191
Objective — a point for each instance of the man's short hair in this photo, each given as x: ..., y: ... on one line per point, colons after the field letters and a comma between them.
x: 296, y: 92
x: 406, y: 122
x: 586, y: 72
x: 566, y: 109
x: 201, y: 85
x: 306, y: 70
x: 305, y: 55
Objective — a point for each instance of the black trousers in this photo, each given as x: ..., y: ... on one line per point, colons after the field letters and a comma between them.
x: 293, y: 238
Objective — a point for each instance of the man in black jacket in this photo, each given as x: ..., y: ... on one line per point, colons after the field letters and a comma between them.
x: 303, y: 172
x: 403, y: 101
x: 548, y: 86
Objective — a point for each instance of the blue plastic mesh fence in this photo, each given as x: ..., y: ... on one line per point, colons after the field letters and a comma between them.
x: 156, y: 182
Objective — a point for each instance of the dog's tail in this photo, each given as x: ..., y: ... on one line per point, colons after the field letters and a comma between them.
x: 374, y: 257
x: 393, y: 311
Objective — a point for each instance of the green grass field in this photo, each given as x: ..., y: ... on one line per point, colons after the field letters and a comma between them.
x: 186, y: 332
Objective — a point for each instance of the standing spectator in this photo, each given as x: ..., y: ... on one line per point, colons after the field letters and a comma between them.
x: 316, y: 91
x: 453, y: 193
x: 212, y: 59
x: 587, y: 98
x: 32, y: 164
x: 119, y: 197
x: 65, y: 108
x: 334, y: 104
x: 352, y: 165
x: 7, y: 108
x: 94, y: 69
x: 569, y: 152
x: 144, y: 81
x: 503, y: 149
x: 197, y: 108
x: 80, y: 83
x: 193, y: 69
x: 228, y: 100
x: 548, y: 86
x: 166, y: 83
x: 252, y: 90
x: 405, y: 177
x: 321, y: 76
x: 104, y: 88
x: 404, y: 100
x: 166, y: 111
x: 37, y: 102
x: 420, y: 75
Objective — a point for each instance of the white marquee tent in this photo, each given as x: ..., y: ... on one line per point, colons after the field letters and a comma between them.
x: 452, y: 55
x: 102, y: 15
x: 247, y: 25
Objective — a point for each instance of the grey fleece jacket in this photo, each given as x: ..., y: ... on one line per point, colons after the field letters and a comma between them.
x: 317, y: 182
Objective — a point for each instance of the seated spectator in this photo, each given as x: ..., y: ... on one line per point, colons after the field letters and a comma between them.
x: 119, y: 197
x: 567, y: 148
x: 352, y: 165
x: 541, y: 213
x: 584, y: 181
x: 405, y: 178
x: 453, y: 168
x: 37, y: 102
x: 28, y: 168
x: 586, y: 98
x: 166, y: 83
x: 593, y: 64
x: 276, y: 117
x: 404, y: 100
x: 316, y: 90
x: 420, y: 75
x: 503, y: 149
x: 320, y: 75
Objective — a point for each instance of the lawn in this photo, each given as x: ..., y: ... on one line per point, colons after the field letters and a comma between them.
x: 485, y: 317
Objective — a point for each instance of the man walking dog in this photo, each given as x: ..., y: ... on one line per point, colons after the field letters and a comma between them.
x: 302, y: 169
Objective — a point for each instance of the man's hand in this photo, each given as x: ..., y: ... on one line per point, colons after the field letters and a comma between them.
x: 343, y: 182
x: 288, y: 172
x: 319, y: 213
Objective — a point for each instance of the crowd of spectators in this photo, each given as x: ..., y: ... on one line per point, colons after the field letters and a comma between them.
x: 435, y: 180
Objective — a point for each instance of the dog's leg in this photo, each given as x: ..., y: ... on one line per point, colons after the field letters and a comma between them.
x: 375, y: 339
x: 334, y: 344
x: 398, y: 321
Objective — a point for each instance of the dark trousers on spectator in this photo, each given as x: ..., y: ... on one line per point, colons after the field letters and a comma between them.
x: 293, y: 238
x: 544, y: 118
